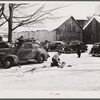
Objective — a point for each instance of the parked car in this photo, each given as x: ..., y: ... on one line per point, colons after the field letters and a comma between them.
x: 4, y: 44
x: 73, y: 45
x: 28, y: 52
x: 95, y: 50
x: 59, y: 45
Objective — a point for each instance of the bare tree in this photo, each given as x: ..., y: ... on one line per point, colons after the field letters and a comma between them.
x: 2, y: 22
x: 16, y: 21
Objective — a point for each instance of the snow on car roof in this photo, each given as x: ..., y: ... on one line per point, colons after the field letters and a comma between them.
x: 59, y: 42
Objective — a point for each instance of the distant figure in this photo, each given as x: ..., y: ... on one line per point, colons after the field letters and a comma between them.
x: 56, y: 59
x: 46, y: 45
x: 0, y: 38
x: 20, y: 41
x: 79, y: 50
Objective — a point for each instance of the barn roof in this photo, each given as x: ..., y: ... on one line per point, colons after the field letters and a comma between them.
x: 54, y: 24
x: 49, y: 24
x: 61, y: 21
x: 97, y: 18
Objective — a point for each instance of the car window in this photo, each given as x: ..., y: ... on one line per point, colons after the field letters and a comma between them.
x: 28, y: 46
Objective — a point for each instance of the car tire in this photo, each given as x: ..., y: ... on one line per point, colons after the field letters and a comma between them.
x: 40, y: 59
x: 7, y: 63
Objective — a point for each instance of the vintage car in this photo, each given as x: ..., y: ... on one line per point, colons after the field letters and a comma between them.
x: 95, y: 50
x: 28, y: 52
x: 73, y: 45
x: 4, y: 44
x: 59, y: 45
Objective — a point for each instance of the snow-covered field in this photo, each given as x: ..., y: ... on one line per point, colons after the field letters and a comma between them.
x: 84, y: 75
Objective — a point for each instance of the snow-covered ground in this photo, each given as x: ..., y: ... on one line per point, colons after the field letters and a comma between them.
x: 84, y: 75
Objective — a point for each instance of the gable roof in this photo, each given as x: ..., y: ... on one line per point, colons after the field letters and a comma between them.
x: 54, y: 24
x: 58, y: 23
x: 97, y: 18
x: 77, y: 23
x: 49, y: 24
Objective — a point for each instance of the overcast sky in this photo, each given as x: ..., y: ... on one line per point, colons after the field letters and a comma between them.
x: 79, y: 10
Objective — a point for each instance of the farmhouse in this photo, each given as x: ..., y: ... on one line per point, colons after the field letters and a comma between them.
x: 91, y: 32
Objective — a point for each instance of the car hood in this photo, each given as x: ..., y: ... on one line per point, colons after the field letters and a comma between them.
x: 7, y: 50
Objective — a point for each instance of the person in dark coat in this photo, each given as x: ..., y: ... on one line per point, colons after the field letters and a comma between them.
x: 0, y: 38
x: 79, y: 50
x: 20, y: 41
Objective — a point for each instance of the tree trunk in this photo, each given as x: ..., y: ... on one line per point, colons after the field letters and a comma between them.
x: 10, y: 23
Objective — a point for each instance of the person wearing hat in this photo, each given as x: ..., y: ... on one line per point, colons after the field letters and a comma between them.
x: 56, y: 59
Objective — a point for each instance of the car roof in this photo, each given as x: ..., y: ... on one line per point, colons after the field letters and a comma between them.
x: 76, y: 41
x: 59, y: 42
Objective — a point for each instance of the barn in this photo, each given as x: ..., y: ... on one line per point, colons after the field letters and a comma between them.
x: 69, y: 30
x: 61, y: 29
x: 82, y: 22
x: 91, y: 30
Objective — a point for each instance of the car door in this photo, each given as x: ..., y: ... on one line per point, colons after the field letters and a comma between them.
x: 27, y: 51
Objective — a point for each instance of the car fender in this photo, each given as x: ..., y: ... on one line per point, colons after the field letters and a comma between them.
x: 12, y: 56
x: 40, y: 54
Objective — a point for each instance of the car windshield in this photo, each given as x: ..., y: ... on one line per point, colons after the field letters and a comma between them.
x: 73, y: 43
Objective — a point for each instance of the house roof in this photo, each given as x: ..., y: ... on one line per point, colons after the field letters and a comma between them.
x: 57, y: 23
x: 49, y: 24
x: 97, y: 18
x: 52, y: 25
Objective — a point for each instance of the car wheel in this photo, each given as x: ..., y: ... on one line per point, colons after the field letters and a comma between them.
x: 41, y: 59
x: 7, y: 63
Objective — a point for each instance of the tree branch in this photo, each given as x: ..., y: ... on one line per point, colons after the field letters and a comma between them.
x: 37, y: 16
x: 3, y: 23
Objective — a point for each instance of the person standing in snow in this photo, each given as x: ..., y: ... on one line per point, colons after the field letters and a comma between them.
x: 79, y: 50
x: 0, y: 38
x: 56, y: 59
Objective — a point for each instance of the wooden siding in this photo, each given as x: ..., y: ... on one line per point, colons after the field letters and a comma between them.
x: 69, y: 30
x: 41, y: 35
x: 82, y: 23
x: 92, y: 32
